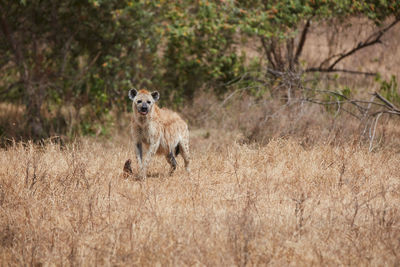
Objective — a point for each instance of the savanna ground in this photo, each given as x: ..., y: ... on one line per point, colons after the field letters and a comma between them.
x: 281, y: 203
x: 270, y: 184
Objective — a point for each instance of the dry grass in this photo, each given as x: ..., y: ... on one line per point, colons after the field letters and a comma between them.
x: 309, y: 192
x: 281, y: 204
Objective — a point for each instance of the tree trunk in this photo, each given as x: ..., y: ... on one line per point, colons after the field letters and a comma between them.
x: 34, y: 117
x: 34, y: 95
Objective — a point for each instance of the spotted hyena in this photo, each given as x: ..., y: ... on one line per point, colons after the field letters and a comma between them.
x: 156, y: 130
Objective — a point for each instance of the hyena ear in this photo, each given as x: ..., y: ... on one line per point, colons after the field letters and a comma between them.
x: 132, y: 93
x: 155, y: 95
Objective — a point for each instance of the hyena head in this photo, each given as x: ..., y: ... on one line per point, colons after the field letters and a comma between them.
x: 143, y: 100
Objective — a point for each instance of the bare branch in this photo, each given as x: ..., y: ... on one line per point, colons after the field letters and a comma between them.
x: 369, y: 42
x: 373, y: 39
x: 363, y: 106
x: 310, y: 100
x: 275, y: 72
x: 319, y: 69
x: 289, y: 52
x: 354, y: 102
x: 384, y: 100
x: 267, y: 52
x: 302, y: 41
x: 277, y: 53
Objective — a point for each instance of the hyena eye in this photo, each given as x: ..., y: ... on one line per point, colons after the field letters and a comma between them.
x: 148, y: 102
x: 139, y: 101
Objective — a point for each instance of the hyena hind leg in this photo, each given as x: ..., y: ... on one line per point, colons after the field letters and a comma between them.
x: 184, y: 149
x: 172, y: 161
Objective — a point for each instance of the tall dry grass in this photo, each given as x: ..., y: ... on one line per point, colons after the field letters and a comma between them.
x: 271, y: 183
x: 280, y: 204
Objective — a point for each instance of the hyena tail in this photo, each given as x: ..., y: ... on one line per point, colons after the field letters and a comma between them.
x: 177, y: 150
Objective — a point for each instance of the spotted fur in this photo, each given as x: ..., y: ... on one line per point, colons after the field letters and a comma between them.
x: 157, y: 131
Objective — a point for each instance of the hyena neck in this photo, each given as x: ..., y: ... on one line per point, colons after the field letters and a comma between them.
x: 141, y: 120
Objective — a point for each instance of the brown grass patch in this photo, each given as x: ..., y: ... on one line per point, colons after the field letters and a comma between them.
x: 280, y: 204
x: 271, y: 184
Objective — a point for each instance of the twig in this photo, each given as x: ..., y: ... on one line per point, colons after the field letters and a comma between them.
x: 341, y: 70
x: 372, y: 137
x: 275, y: 72
x: 384, y: 100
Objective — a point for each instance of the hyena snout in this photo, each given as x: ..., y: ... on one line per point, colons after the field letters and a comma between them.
x: 143, y: 108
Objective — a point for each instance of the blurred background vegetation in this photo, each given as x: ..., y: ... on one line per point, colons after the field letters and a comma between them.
x: 66, y: 66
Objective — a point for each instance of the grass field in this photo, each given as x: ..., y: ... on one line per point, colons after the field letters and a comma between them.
x: 281, y: 203
x: 271, y: 184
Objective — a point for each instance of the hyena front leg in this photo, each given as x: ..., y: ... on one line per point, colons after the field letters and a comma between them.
x: 139, y: 154
x: 147, y: 158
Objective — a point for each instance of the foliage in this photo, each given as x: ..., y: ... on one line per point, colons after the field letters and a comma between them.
x: 200, y: 39
x: 87, y: 54
x: 84, y: 53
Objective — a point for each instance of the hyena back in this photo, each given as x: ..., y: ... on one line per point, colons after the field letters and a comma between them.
x: 156, y: 130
